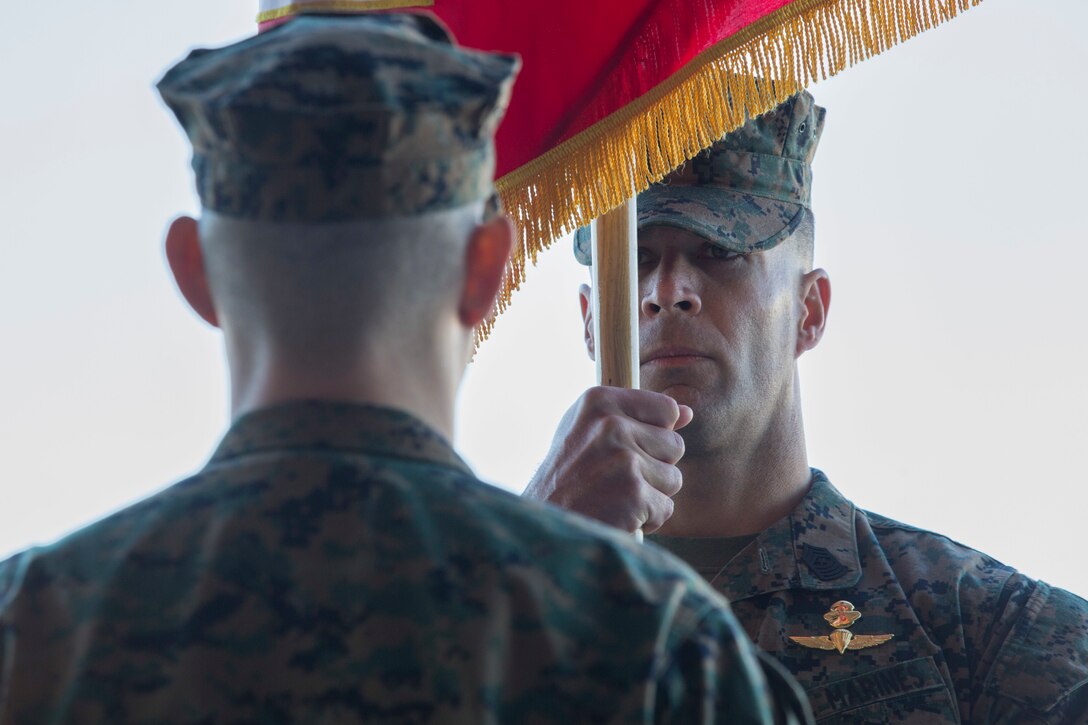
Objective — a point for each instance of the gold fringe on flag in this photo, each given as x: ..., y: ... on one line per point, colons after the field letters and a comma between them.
x: 336, y: 6
x: 638, y: 145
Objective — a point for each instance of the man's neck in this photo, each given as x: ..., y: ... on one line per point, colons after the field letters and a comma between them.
x: 741, y: 490
x: 428, y: 394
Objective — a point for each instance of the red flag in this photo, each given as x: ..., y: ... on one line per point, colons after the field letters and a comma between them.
x: 614, y: 94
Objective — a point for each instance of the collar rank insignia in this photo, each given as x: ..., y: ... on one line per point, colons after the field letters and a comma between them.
x: 841, y: 617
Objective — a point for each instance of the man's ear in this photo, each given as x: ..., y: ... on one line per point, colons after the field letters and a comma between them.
x: 485, y: 268
x: 815, y: 301
x: 584, y: 296
x: 187, y: 265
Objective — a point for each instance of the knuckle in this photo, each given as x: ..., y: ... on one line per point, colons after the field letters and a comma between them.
x: 595, y: 397
x: 674, y: 449
x: 630, y: 483
x: 670, y: 406
x: 612, y: 428
x: 657, y: 516
x: 630, y: 465
x: 676, y: 481
x: 668, y: 480
x: 667, y: 510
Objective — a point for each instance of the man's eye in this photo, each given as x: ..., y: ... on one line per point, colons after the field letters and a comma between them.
x: 713, y: 251
x: 645, y: 256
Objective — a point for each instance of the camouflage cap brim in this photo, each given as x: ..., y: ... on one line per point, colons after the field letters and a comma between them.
x: 747, y: 192
x: 729, y: 219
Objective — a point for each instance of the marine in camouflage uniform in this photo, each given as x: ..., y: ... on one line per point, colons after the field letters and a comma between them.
x: 337, y: 561
x: 972, y: 640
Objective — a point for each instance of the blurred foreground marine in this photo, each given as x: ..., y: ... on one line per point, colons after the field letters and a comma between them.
x: 879, y: 621
x: 336, y: 561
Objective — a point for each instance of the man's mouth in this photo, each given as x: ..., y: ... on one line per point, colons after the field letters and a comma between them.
x: 673, y: 356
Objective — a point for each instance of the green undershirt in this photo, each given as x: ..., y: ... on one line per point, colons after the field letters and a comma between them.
x: 706, y: 556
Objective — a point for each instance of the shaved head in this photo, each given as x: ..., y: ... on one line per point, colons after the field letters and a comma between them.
x: 321, y: 290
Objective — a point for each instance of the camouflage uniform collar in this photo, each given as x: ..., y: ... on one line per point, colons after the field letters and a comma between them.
x: 814, y: 548
x: 342, y: 427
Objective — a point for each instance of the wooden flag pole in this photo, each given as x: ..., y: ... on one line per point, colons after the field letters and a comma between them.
x: 615, y: 298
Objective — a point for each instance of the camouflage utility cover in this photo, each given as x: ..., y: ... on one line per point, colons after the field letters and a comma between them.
x: 974, y: 641
x: 338, y: 563
x: 331, y: 119
x: 748, y: 192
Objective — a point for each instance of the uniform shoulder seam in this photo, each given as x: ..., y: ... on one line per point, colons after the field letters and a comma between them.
x: 881, y: 524
x: 879, y: 521
x: 1044, y: 660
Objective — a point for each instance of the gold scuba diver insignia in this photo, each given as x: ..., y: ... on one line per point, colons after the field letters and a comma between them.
x: 842, y: 616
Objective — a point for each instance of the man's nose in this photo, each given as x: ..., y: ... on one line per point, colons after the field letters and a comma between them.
x: 671, y: 289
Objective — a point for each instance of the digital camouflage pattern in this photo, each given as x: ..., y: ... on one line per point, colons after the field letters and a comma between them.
x: 975, y: 641
x: 332, y: 119
x: 340, y: 563
x: 747, y: 192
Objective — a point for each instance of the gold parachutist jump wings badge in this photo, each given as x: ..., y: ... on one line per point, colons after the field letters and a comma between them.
x: 841, y: 616
x: 843, y: 640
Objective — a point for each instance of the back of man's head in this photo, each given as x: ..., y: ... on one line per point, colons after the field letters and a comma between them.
x: 342, y: 164
x: 319, y: 293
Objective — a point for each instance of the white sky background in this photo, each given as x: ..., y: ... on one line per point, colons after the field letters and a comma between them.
x: 949, y: 391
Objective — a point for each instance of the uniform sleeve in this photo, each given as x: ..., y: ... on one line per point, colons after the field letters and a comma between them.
x: 1039, y: 671
x: 10, y: 576
x: 715, y: 675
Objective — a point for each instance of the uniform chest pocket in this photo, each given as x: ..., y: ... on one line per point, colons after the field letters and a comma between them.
x: 909, y: 692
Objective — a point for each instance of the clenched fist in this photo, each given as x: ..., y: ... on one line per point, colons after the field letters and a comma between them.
x: 614, y: 458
